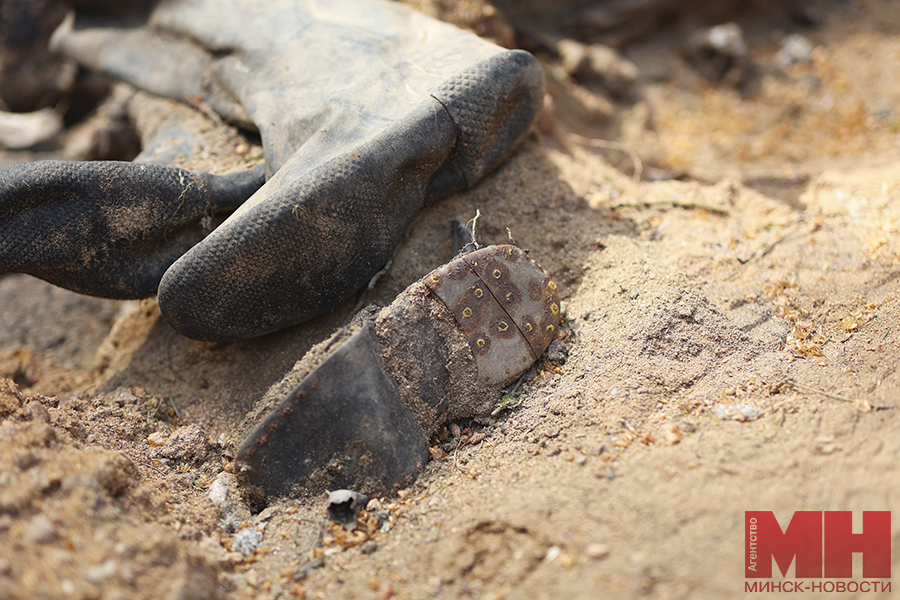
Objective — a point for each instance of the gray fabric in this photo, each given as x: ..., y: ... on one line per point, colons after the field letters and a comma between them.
x: 366, y: 109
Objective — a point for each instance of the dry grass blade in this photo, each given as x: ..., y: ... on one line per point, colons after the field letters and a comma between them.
x: 610, y: 145
x: 765, y: 252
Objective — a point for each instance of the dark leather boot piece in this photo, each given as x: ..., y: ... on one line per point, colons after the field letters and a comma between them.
x: 331, y: 430
x: 367, y: 111
x: 441, y: 351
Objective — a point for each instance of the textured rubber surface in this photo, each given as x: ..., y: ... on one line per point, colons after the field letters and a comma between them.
x: 107, y: 228
x: 311, y: 239
x: 367, y: 110
x: 492, y: 104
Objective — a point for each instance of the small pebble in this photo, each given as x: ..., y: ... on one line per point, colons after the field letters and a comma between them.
x: 826, y: 446
x: 557, y: 352
x: 385, y: 592
x: 157, y: 438
x: 25, y: 460
x: 597, y: 551
x: 344, y: 507
x: 218, y: 491
x: 38, y: 411
x: 368, y: 547
x: 20, y: 131
x: 794, y: 49
x: 247, y: 540
x: 720, y: 54
x: 252, y: 578
x: 102, y: 572
x: 671, y: 433
x: 567, y: 561
x: 39, y: 530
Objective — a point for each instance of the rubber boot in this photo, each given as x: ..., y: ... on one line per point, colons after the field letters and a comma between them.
x: 367, y: 110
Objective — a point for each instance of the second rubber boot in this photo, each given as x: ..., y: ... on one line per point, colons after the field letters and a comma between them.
x: 367, y: 110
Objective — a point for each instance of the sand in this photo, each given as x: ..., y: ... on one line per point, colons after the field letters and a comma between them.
x: 731, y: 341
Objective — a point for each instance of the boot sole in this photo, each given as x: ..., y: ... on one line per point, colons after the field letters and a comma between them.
x: 441, y: 351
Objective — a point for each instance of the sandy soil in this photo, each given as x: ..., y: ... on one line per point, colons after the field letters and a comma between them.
x: 732, y: 342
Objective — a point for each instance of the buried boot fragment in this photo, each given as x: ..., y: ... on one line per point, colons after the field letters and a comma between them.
x: 362, y: 417
x: 344, y: 418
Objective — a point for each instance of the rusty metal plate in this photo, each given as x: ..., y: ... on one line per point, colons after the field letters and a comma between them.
x: 524, y: 291
x: 506, y: 306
